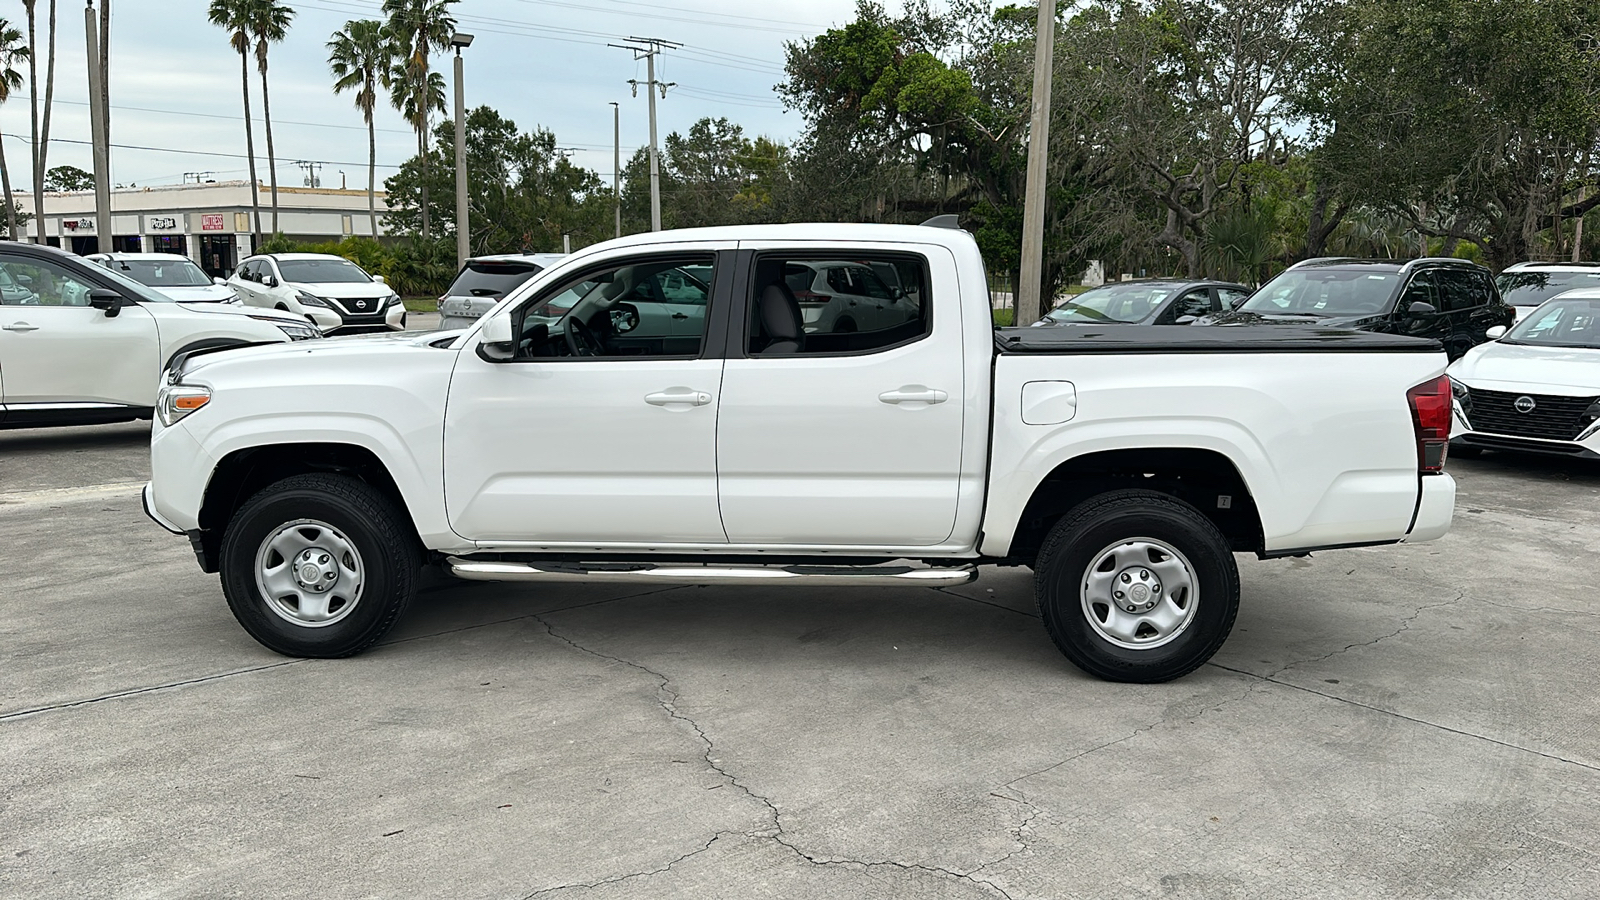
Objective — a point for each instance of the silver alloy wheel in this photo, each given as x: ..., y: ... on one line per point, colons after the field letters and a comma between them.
x: 309, y: 573
x: 1139, y: 593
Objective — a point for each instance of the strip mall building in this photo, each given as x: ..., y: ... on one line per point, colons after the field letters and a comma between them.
x: 209, y: 223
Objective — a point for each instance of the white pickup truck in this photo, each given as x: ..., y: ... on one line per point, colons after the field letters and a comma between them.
x: 573, y: 435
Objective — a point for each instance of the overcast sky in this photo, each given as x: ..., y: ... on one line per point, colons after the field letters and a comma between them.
x: 175, y: 82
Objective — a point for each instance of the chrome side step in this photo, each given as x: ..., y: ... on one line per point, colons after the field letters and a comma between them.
x: 905, y: 574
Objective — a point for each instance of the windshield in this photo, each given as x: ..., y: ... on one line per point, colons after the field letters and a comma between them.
x: 1560, y: 323
x: 161, y: 272
x: 491, y: 279
x: 1534, y: 288
x: 1324, y: 293
x: 134, y: 289
x: 1126, y: 303
x: 322, y: 271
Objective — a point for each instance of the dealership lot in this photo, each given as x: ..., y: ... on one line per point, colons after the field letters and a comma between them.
x: 1402, y: 722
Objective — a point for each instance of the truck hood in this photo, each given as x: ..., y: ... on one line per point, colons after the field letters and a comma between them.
x: 203, y: 293
x: 330, y: 352
x: 1525, y: 367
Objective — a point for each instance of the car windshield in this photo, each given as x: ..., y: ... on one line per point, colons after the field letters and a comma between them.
x: 322, y: 271
x: 1534, y: 288
x: 491, y: 279
x: 1125, y: 302
x: 161, y: 272
x: 134, y: 289
x: 1560, y: 322
x: 1324, y: 293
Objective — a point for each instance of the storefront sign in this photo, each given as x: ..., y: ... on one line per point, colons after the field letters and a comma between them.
x: 161, y: 223
x: 211, y: 222
x: 75, y: 225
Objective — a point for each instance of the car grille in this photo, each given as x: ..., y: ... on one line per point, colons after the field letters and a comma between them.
x: 1552, y: 418
x: 350, y: 311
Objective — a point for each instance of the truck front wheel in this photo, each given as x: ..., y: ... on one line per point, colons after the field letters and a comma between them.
x: 1137, y: 586
x: 318, y: 566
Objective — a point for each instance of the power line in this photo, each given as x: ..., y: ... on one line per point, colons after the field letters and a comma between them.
x: 275, y: 122
x: 55, y: 140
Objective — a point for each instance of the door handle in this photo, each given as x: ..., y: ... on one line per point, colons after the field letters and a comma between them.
x: 680, y: 316
x: 678, y: 397
x: 21, y: 327
x: 914, y: 393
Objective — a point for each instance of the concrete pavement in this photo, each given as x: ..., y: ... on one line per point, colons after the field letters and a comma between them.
x: 1396, y: 722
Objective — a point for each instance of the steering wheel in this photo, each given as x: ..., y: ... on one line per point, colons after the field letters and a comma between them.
x: 581, y: 340
x: 624, y: 318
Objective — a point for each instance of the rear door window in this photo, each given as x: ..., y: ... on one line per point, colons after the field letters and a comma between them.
x: 1460, y: 291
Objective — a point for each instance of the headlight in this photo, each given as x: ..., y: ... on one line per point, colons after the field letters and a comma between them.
x: 1463, y: 397
x: 295, y: 331
x: 179, y: 400
x: 391, y: 300
x: 306, y: 299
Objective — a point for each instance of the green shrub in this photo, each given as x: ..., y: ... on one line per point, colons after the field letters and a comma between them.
x: 1004, y: 318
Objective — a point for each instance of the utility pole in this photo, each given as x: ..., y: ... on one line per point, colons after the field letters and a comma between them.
x: 463, y: 226
x: 648, y: 49
x: 310, y: 168
x: 97, y: 134
x: 616, y: 161
x: 1029, y: 307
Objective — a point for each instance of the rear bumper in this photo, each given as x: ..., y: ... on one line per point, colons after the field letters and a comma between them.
x: 1434, y: 510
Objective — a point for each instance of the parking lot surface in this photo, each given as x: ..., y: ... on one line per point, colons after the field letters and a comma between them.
x: 1395, y: 722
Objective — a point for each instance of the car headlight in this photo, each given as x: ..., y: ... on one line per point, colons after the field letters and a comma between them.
x: 1463, y: 396
x: 179, y: 400
x: 391, y: 300
x: 295, y: 331
x: 306, y: 299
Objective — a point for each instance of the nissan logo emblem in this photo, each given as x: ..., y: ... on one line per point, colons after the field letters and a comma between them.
x: 362, y: 304
x: 1525, y: 404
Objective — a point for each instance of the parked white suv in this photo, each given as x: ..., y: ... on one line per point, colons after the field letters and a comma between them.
x: 839, y: 297
x: 331, y: 291
x: 81, y: 344
x: 169, y: 274
x: 1525, y: 285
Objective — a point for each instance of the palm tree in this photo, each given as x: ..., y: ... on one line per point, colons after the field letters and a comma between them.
x: 420, y: 27
x: 12, y: 51
x: 41, y: 136
x: 359, y: 57
x: 269, y: 22
x: 234, y: 15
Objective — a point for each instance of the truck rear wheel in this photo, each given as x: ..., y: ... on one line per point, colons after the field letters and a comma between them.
x: 318, y: 566
x: 1137, y: 586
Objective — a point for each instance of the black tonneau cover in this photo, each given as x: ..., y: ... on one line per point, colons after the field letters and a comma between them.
x: 1205, y: 339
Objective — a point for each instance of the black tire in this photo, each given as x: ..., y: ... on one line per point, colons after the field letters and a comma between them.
x: 1093, y: 529
x: 389, y: 560
x: 844, y: 326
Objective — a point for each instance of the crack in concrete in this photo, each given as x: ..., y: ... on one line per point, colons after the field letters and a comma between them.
x: 668, y: 699
x: 1273, y: 679
x: 979, y: 600
x: 616, y: 879
x: 1405, y: 625
x: 204, y: 679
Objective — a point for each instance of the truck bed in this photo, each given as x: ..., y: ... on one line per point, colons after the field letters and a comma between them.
x: 1178, y: 339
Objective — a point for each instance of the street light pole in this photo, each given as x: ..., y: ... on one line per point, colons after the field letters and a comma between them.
x: 97, y: 135
x: 1029, y: 307
x: 616, y: 161
x: 463, y: 225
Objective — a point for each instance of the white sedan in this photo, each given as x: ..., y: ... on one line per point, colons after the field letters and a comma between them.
x: 331, y: 291
x: 172, y: 275
x: 1537, y: 387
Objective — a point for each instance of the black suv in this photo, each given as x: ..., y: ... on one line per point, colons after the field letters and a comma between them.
x: 1450, y: 300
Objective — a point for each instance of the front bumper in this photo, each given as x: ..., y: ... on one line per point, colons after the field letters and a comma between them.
x: 1462, y: 436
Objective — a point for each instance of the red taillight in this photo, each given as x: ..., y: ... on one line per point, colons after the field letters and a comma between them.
x: 1430, y: 418
x: 810, y: 297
